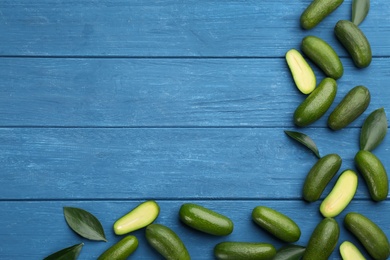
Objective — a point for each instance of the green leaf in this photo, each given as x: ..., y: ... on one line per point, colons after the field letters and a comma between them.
x: 290, y: 252
x: 69, y: 253
x: 84, y: 223
x: 360, y: 10
x: 305, y: 140
x: 374, y: 130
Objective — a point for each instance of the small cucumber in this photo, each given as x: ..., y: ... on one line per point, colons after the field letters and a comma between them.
x: 354, y: 103
x: 323, y: 55
x: 205, y: 220
x: 355, y: 42
x: 320, y: 175
x: 289, y: 252
x: 323, y: 240
x: 276, y: 223
x: 369, y: 234
x: 141, y: 216
x: 349, y: 251
x: 302, y: 73
x: 316, y: 104
x: 165, y: 241
x: 121, y: 250
x: 341, y: 194
x: 317, y: 11
x: 244, y: 251
x: 374, y: 174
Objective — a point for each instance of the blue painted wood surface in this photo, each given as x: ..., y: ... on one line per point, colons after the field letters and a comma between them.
x: 105, y: 104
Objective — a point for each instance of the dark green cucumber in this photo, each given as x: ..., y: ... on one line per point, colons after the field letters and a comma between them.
x: 316, y: 104
x: 205, y: 220
x: 374, y: 174
x: 244, y: 251
x: 355, y: 42
x: 369, y: 234
x: 276, y: 223
x: 320, y: 175
x: 323, y: 55
x: 165, y: 241
x: 323, y: 240
x: 289, y: 252
x: 354, y: 103
x: 121, y: 250
x: 317, y: 11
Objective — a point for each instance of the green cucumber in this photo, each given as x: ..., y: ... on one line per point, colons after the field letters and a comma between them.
x: 374, y: 174
x: 369, y: 234
x: 320, y: 175
x: 317, y: 11
x: 323, y: 55
x: 349, y: 251
x: 354, y: 103
x: 316, y: 104
x: 289, y: 252
x: 121, y: 250
x: 323, y: 240
x: 244, y: 251
x: 166, y: 242
x: 355, y: 42
x: 205, y: 220
x: 276, y: 223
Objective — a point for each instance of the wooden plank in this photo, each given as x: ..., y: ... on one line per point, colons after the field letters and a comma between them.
x: 254, y: 163
x: 40, y: 229
x: 165, y: 92
x: 171, y: 28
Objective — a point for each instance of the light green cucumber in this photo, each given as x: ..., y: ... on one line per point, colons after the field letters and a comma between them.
x: 302, y: 73
x: 323, y: 55
x: 369, y: 234
x: 317, y: 11
x: 316, y: 104
x: 276, y: 223
x: 349, y: 251
x: 121, y: 250
x: 205, y: 220
x: 354, y: 103
x: 244, y: 251
x: 320, y: 175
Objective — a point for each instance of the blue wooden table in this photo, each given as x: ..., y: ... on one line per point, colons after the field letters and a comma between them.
x: 107, y: 103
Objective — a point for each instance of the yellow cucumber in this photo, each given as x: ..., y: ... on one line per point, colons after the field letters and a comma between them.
x: 302, y: 73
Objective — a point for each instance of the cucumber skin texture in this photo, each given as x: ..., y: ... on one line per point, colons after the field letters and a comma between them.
x: 369, y: 234
x: 276, y: 223
x: 354, y: 103
x: 323, y: 55
x: 244, y: 251
x: 205, y: 220
x: 166, y: 242
x: 355, y: 42
x: 323, y: 240
x: 121, y: 250
x: 317, y: 11
x: 374, y: 174
x: 320, y: 175
x: 316, y: 104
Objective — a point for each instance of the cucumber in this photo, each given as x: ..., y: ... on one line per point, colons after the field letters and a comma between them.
x: 349, y: 251
x: 316, y: 104
x: 355, y: 42
x: 317, y: 11
x: 276, y: 223
x: 244, y: 251
x: 302, y: 73
x: 320, y: 175
x: 166, y: 242
x: 354, y: 103
x: 369, y: 234
x: 121, y: 250
x: 289, y: 252
x: 205, y: 220
x: 341, y: 194
x: 141, y: 216
x: 323, y: 55
x: 374, y: 174
x: 323, y: 240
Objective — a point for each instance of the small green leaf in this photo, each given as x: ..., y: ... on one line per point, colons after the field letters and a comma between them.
x: 69, y: 253
x: 305, y: 140
x: 360, y: 10
x: 290, y: 252
x: 84, y: 223
x: 374, y: 130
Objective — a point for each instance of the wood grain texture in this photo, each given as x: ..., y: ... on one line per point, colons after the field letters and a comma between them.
x: 193, y: 28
